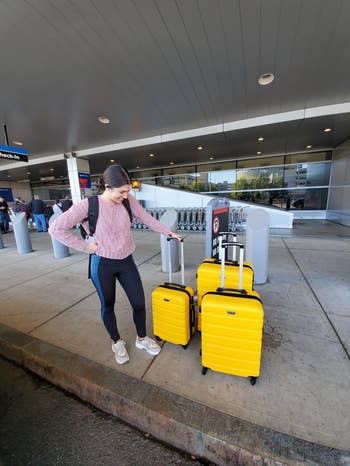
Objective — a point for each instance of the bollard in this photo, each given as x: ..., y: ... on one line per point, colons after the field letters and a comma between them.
x: 20, y: 229
x: 169, y: 219
x: 1, y: 242
x: 257, y: 243
x: 60, y: 250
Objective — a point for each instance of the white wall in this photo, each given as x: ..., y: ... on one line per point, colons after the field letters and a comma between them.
x: 338, y: 208
x: 156, y: 196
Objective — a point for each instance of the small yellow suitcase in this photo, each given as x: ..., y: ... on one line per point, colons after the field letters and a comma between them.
x: 232, y: 328
x: 173, y: 308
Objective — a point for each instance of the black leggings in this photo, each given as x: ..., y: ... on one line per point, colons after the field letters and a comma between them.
x: 104, y: 273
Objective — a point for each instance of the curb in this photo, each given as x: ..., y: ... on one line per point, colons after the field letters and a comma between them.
x: 187, y: 425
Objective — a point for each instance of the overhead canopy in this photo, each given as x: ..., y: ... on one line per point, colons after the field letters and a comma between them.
x: 159, y: 67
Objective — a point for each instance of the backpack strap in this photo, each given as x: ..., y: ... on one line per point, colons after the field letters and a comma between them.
x: 93, y: 215
x: 126, y: 204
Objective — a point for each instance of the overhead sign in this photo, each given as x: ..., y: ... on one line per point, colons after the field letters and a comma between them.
x: 216, y: 219
x: 84, y: 180
x: 13, y: 153
x: 6, y: 193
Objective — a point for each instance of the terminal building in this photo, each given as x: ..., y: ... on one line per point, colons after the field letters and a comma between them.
x: 246, y: 100
x: 220, y: 98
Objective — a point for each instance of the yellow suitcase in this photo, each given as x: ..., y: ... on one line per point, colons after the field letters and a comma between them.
x: 209, y: 276
x: 232, y: 328
x: 173, y: 309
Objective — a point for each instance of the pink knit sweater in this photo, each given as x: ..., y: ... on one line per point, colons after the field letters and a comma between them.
x: 113, y: 234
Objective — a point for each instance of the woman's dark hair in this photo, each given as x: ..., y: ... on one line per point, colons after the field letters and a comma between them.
x: 113, y: 177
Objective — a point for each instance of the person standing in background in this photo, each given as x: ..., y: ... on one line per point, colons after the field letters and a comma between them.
x: 18, y: 206
x: 37, y: 207
x: 66, y: 204
x: 4, y: 215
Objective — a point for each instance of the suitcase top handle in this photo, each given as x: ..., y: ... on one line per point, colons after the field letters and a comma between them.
x: 224, y: 244
x: 226, y: 237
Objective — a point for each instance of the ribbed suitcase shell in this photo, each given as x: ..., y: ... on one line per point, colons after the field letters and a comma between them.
x: 209, y: 279
x: 232, y: 327
x: 209, y: 276
x: 173, y: 313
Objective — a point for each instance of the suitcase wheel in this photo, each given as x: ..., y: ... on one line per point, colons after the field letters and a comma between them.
x: 184, y: 346
x: 157, y: 338
x: 204, y: 370
x: 253, y: 380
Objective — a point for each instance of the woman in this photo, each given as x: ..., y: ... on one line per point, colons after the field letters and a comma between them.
x: 111, y: 247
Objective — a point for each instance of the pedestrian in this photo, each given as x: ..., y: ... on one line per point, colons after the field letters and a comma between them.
x: 111, y: 252
x: 18, y: 206
x: 36, y: 208
x: 57, y: 207
x: 48, y: 213
x: 66, y: 204
x: 4, y: 215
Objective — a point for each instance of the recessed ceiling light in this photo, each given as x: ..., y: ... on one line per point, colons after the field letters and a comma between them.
x: 8, y: 176
x: 308, y: 147
x: 137, y: 166
x: 112, y: 160
x: 266, y: 78
x: 28, y: 173
x: 259, y: 153
x: 171, y: 163
x: 52, y: 169
x: 151, y: 155
x: 103, y: 119
x: 18, y: 143
x: 260, y: 139
x: 199, y: 147
x: 327, y: 130
x: 61, y: 176
x: 211, y: 158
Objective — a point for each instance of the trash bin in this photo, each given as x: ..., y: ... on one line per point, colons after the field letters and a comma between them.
x: 60, y: 250
x: 20, y: 229
x: 169, y: 219
x: 257, y: 243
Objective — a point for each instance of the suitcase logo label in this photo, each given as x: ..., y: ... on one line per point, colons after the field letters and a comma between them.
x: 232, y: 313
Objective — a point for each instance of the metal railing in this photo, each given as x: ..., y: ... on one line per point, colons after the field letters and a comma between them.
x: 193, y: 219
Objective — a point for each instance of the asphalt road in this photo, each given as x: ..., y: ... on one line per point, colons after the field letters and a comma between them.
x: 42, y: 425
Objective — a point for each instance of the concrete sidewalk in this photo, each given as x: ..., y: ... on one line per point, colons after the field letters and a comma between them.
x: 297, y: 413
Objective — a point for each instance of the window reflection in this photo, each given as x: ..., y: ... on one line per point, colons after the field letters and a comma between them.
x: 300, y: 184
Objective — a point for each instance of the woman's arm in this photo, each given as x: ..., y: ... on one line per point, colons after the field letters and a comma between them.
x: 143, y: 216
x: 61, y: 227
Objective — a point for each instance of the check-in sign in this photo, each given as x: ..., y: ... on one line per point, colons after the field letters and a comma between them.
x: 13, y: 153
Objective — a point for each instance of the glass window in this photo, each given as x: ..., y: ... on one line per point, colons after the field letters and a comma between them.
x: 261, y: 162
x: 307, y: 174
x: 179, y: 170
x: 260, y: 178
x: 309, y: 157
x: 146, y: 174
x: 216, y: 166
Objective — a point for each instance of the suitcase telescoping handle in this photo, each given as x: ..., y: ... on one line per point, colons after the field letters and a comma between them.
x: 225, y: 237
x: 182, y: 260
x: 223, y: 245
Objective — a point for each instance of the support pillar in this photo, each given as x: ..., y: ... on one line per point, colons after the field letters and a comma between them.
x: 79, y: 178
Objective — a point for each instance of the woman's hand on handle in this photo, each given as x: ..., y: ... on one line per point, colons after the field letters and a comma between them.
x: 175, y: 236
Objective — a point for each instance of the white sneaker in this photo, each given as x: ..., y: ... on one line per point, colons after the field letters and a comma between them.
x: 120, y: 353
x: 148, y: 345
